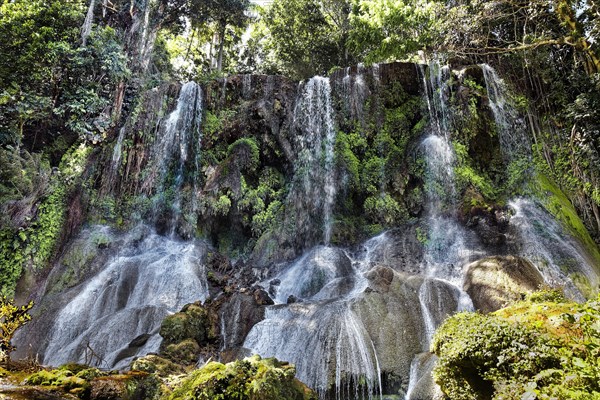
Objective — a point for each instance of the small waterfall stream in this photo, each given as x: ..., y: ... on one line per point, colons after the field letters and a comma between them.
x: 314, y: 189
x: 320, y: 332
x: 512, y: 129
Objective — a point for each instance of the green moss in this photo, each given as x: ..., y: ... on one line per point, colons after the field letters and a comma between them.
x: 193, y: 322
x: 251, y: 378
x: 557, y: 203
x: 542, y: 346
x: 467, y: 175
x: 59, y: 377
x: 385, y: 210
x: 347, y: 160
x: 244, y: 153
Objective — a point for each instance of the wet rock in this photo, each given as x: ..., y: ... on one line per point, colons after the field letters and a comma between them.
x: 238, y: 315
x: 262, y: 298
x: 140, y: 340
x: 380, y: 278
x: 292, y: 299
x: 493, y: 281
x: 391, y: 317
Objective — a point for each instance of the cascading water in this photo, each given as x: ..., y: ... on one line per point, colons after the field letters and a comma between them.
x: 545, y: 244
x: 150, y: 275
x: 355, y: 92
x: 179, y: 136
x: 512, y: 129
x: 448, y: 247
x: 320, y: 332
x: 542, y: 240
x: 314, y: 188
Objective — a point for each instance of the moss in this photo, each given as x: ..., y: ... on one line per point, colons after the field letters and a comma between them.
x: 62, y: 378
x: 251, y: 378
x: 185, y: 352
x: 542, y: 346
x: 193, y: 322
x: 557, y: 203
x: 156, y: 364
x: 244, y: 153
x: 347, y: 160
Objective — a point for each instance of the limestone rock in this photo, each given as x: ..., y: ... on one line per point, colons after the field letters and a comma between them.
x: 493, y: 281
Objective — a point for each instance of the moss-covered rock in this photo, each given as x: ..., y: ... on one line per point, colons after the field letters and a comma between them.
x: 62, y: 378
x: 540, y: 348
x: 158, y: 365
x: 185, y: 352
x: 193, y: 322
x: 251, y: 378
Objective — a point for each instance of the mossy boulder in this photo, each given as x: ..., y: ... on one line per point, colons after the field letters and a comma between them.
x: 62, y: 378
x: 157, y: 365
x: 539, y: 348
x: 193, y: 322
x: 185, y: 352
x: 251, y: 378
x: 492, y: 282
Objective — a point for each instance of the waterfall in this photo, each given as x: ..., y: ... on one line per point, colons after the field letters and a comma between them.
x: 314, y: 188
x: 544, y: 243
x: 321, y: 333
x: 149, y: 277
x: 355, y: 92
x: 512, y: 129
x: 179, y: 139
x: 246, y: 86
x: 447, y: 248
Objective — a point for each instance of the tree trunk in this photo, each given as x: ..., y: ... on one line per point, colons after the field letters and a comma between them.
x: 221, y: 45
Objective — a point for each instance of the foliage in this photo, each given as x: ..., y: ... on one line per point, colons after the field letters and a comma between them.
x: 50, y: 84
x: 389, y: 30
x: 467, y: 175
x: 35, y: 244
x: 251, y: 378
x: 543, y: 347
x: 308, y: 37
x: 12, y: 317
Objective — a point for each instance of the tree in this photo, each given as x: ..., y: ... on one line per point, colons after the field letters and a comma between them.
x: 308, y: 37
x: 389, y: 30
x: 12, y: 318
x: 222, y: 13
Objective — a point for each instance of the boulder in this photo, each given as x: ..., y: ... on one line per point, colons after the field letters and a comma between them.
x: 493, y: 281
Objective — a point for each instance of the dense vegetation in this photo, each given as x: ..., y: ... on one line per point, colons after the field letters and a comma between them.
x: 540, y: 348
x: 73, y: 73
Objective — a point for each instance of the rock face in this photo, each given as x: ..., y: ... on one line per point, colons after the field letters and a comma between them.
x: 494, y: 281
x: 343, y: 219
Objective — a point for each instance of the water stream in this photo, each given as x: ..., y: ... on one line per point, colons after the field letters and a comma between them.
x: 314, y: 189
x: 150, y: 275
